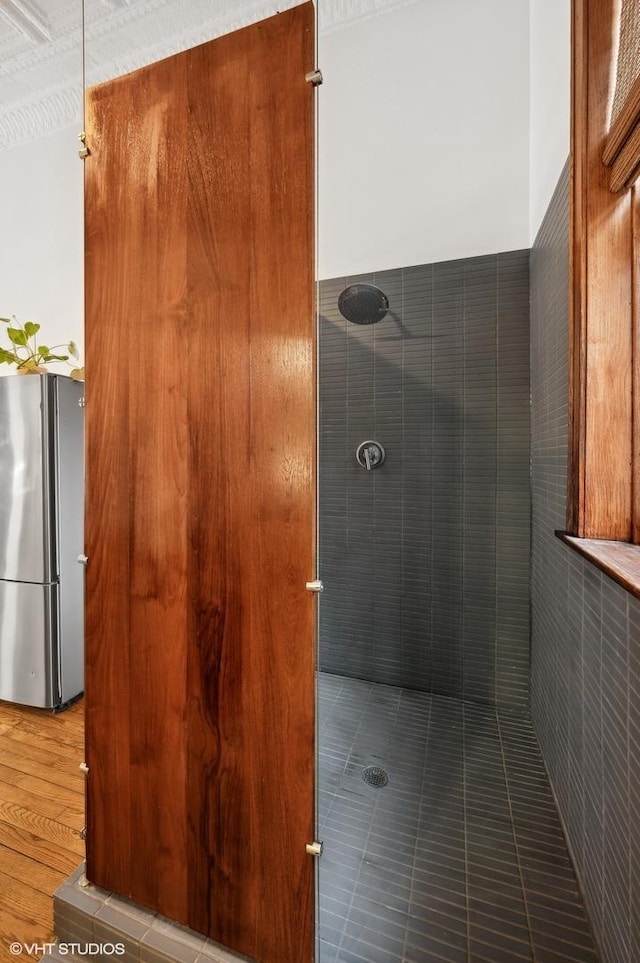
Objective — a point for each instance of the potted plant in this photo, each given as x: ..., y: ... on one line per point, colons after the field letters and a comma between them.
x: 31, y: 357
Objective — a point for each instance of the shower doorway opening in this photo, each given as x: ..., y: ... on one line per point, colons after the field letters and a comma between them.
x: 441, y: 837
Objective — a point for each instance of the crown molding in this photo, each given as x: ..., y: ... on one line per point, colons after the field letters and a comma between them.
x: 27, y: 19
x: 33, y: 118
x: 120, y: 36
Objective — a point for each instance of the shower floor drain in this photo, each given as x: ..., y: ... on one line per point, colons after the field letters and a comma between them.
x: 375, y: 776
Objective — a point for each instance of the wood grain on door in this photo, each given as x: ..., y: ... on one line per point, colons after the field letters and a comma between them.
x: 200, y: 420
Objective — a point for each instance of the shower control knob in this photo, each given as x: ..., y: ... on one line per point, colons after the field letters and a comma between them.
x: 370, y: 454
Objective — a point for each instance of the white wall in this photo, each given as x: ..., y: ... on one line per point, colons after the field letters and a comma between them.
x: 423, y: 157
x: 550, y: 101
x: 424, y: 135
x: 41, y: 267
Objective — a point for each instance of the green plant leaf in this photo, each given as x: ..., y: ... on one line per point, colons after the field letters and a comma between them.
x: 57, y: 357
x: 31, y: 328
x: 44, y: 351
x: 7, y: 320
x: 17, y: 336
x: 72, y: 348
x: 6, y: 357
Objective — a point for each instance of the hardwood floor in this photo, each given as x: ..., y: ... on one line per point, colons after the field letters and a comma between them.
x: 41, y: 817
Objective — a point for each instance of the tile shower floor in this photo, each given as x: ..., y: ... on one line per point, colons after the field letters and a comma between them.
x: 460, y: 857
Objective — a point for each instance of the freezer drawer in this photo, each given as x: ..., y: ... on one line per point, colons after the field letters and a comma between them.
x: 29, y: 658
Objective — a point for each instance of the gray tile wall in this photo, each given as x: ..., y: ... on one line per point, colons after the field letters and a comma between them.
x: 425, y: 560
x: 585, y: 672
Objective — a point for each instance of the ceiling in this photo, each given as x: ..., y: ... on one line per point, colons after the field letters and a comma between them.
x: 41, y: 47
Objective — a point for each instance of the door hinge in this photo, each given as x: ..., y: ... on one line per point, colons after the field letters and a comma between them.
x: 315, y: 586
x: 84, y: 769
x: 315, y: 848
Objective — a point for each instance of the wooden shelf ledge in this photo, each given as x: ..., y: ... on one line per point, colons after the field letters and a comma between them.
x: 619, y: 560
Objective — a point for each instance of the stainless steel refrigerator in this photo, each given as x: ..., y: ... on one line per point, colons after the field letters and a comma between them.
x: 41, y: 539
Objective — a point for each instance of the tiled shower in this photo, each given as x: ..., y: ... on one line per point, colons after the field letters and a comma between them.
x: 455, y: 851
x: 425, y: 560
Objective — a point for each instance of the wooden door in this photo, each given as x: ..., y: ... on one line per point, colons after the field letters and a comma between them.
x: 200, y: 424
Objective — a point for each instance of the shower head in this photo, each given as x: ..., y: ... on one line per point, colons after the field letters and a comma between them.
x: 363, y: 304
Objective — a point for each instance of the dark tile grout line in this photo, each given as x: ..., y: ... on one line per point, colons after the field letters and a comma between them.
x: 466, y: 836
x: 415, y: 846
x: 514, y: 834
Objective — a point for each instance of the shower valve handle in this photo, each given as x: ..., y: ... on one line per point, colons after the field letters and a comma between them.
x: 370, y: 454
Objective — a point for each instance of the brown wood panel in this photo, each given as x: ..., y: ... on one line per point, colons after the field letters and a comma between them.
x: 201, y: 488
x: 577, y: 271
x: 111, y: 325
x: 600, y: 456
x: 158, y: 442
x: 635, y: 328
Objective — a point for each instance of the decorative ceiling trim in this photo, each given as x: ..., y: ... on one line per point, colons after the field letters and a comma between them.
x: 27, y: 19
x: 121, y: 36
x: 39, y: 117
